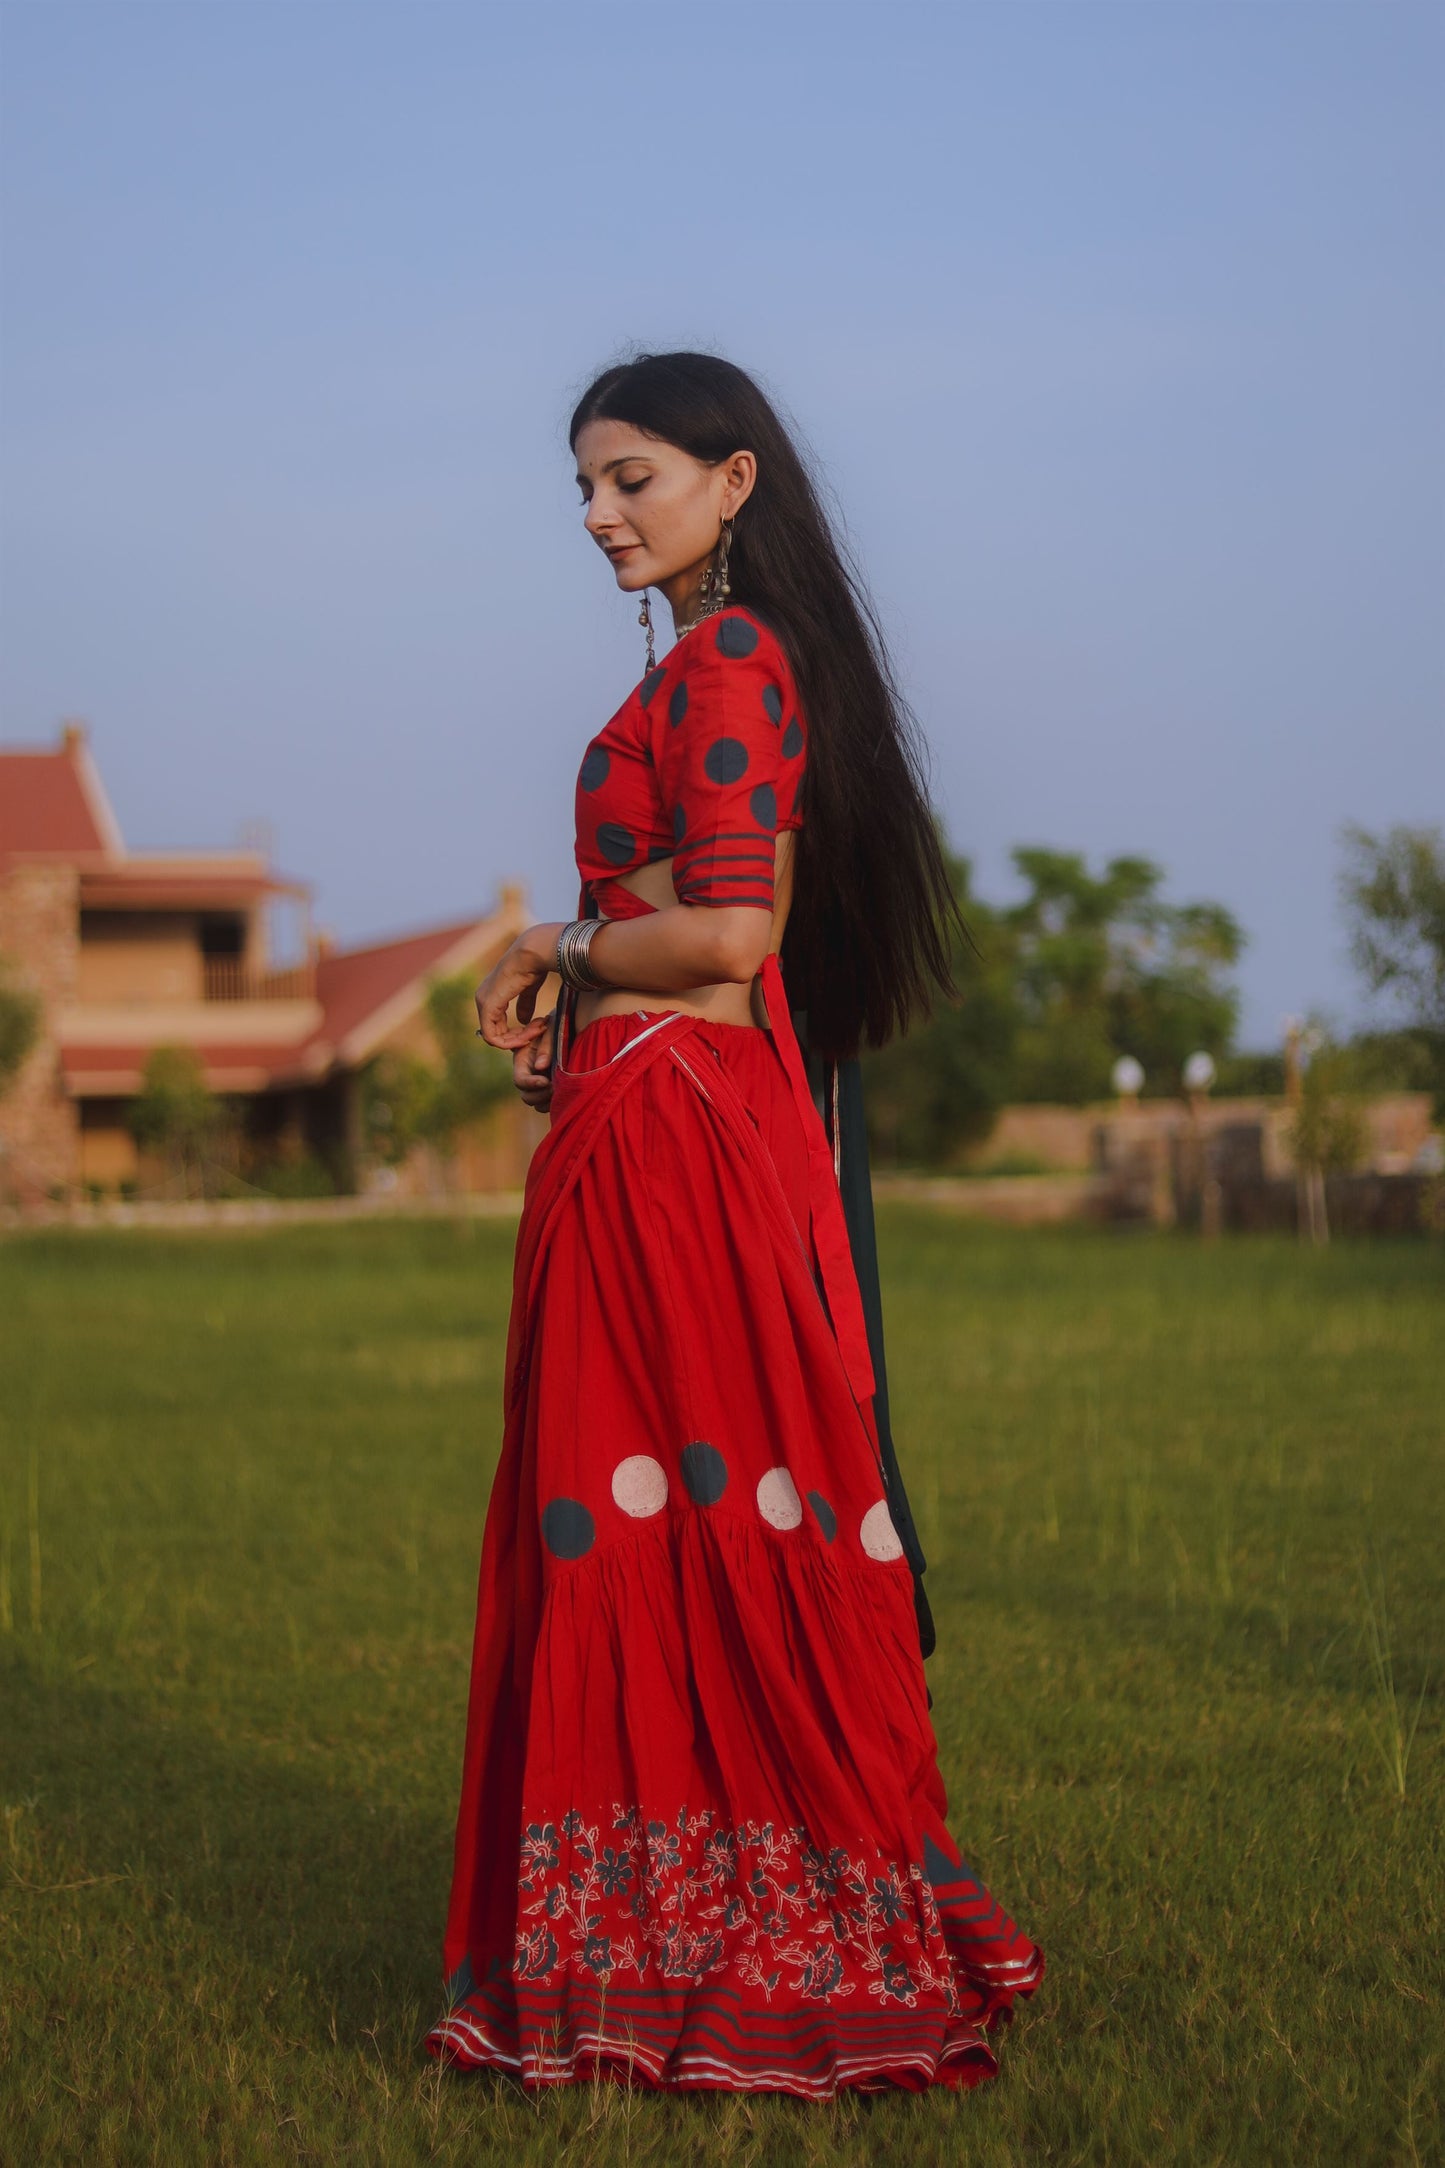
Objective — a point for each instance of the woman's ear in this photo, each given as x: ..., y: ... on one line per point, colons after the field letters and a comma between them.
x: 739, y: 474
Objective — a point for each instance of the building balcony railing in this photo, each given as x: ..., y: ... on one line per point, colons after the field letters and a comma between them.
x: 227, y: 979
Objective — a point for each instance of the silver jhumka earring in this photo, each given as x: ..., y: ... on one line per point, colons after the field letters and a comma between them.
x: 644, y: 618
x: 713, y: 587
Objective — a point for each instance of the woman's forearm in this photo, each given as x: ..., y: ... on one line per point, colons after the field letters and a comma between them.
x: 672, y: 950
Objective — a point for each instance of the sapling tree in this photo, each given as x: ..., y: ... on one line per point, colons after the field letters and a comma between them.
x: 176, y: 1115
x: 1392, y: 887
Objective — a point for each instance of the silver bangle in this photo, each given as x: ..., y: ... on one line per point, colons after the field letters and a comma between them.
x: 573, y: 965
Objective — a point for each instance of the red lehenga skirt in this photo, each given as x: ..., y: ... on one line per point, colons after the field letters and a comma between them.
x: 701, y: 1839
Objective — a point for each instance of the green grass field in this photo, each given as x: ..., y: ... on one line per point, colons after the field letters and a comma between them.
x: 1186, y: 1514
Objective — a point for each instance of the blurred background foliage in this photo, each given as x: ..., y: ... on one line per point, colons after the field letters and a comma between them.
x: 408, y: 1100
x: 1089, y: 966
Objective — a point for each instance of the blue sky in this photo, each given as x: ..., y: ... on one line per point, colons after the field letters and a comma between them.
x: 1118, y: 331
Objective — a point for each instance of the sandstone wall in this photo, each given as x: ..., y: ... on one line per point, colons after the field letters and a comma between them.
x: 40, y: 940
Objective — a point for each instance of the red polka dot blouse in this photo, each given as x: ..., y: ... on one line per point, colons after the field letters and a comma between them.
x: 701, y: 764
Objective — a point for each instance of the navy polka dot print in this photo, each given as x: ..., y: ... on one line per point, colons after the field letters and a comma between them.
x: 726, y: 760
x: 567, y: 1528
x: 617, y: 845
x: 705, y: 1473
x: 826, y: 1518
x: 736, y: 638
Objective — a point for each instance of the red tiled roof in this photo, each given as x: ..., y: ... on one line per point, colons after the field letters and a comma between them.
x: 53, y: 805
x: 134, y: 884
x: 92, y: 1071
x: 45, y: 807
x: 353, y: 987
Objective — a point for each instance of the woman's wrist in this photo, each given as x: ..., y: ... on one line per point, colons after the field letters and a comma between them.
x: 537, y: 947
x: 574, y: 955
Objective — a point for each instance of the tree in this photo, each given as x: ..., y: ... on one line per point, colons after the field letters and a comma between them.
x: 1393, y: 890
x: 176, y: 1114
x: 932, y: 1095
x: 1052, y: 992
x: 473, y: 1076
x: 407, y: 1101
x: 396, y: 1091
x: 1107, y: 967
x: 20, y: 1013
x: 1328, y: 1132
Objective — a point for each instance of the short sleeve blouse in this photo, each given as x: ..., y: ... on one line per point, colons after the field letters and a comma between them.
x: 703, y: 763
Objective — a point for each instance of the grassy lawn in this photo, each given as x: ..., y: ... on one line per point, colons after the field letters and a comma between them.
x: 1186, y: 1515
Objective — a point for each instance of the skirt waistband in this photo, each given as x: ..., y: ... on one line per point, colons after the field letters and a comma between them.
x: 607, y: 1037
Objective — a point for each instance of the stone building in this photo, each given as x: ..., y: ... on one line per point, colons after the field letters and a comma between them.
x: 130, y: 950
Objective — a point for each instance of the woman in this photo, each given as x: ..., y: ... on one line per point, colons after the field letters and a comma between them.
x: 701, y: 1839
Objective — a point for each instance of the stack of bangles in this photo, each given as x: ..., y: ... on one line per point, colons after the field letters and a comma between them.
x: 573, y: 942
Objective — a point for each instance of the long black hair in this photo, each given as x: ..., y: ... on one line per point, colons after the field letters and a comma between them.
x: 868, y: 933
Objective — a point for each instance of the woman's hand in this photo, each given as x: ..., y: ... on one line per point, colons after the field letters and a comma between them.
x: 532, y: 1066
x: 518, y: 976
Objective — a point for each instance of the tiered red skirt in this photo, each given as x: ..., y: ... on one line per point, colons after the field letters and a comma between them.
x: 701, y: 1839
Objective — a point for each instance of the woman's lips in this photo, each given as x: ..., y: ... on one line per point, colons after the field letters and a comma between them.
x: 624, y: 551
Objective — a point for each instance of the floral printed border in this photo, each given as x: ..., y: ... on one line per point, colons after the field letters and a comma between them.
x: 681, y: 1902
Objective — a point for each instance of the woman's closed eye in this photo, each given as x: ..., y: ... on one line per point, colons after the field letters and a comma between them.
x: 626, y: 489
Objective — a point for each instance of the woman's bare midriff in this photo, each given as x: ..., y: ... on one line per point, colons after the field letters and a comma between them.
x: 728, y: 1003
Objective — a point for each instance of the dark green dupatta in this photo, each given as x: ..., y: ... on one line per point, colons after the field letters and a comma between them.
x: 837, y: 1088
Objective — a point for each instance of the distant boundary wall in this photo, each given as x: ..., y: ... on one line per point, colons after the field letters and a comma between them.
x: 217, y: 1215
x: 1355, y: 1204
x: 1079, y: 1140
